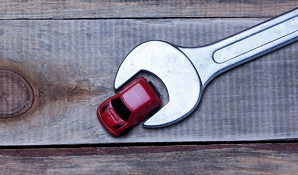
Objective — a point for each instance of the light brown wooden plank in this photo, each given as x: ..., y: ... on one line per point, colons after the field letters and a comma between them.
x: 56, y: 9
x: 202, y: 159
x: 71, y: 67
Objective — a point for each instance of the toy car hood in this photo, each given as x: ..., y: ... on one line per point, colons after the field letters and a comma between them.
x: 111, y: 118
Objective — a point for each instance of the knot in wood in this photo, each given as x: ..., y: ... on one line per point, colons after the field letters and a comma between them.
x: 16, y: 94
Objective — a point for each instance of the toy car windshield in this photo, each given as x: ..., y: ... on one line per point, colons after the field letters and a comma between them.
x: 121, y: 109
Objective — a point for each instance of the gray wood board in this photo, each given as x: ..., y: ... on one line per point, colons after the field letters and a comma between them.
x: 71, y: 66
x: 73, y: 9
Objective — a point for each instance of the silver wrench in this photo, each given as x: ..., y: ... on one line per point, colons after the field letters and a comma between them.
x: 187, y: 71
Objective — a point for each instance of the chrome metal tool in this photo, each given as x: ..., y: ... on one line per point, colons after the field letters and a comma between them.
x: 187, y: 71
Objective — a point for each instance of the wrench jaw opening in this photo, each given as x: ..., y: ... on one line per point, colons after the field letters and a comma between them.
x: 176, y: 71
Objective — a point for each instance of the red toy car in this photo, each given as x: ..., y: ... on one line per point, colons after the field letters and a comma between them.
x: 130, y: 106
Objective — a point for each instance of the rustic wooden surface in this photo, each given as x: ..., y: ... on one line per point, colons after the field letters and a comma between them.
x: 192, y: 159
x: 74, y: 9
x: 71, y: 65
x: 69, y: 52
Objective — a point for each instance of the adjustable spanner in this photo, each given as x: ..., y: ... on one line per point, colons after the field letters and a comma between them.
x: 187, y: 71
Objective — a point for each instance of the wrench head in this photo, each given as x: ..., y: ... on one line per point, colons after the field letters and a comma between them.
x: 176, y: 71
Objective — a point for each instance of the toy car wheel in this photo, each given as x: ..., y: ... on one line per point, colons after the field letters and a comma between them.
x: 152, y: 112
x: 126, y: 131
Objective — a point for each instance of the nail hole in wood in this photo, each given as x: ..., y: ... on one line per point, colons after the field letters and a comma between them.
x: 16, y: 94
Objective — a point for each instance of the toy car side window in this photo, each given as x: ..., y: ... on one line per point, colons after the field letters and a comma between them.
x: 121, y: 109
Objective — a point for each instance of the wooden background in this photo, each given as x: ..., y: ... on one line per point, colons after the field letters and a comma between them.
x: 69, y: 51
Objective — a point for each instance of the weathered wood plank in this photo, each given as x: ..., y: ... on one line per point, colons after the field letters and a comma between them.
x: 201, y: 159
x: 56, y: 9
x: 71, y: 66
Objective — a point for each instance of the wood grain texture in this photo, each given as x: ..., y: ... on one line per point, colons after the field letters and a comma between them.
x: 201, y: 159
x: 71, y: 66
x: 16, y: 94
x: 73, y: 9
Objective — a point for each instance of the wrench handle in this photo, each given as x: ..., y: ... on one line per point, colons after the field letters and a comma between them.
x: 258, y: 40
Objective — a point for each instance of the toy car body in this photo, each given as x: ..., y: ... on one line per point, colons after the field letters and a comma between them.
x: 120, y: 112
